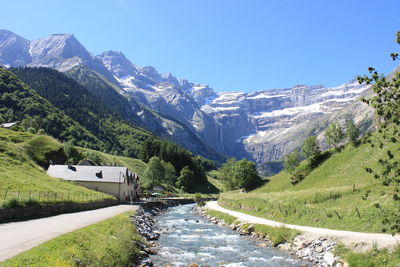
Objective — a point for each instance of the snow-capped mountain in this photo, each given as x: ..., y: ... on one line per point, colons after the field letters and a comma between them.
x: 257, y: 125
x: 261, y: 126
x: 268, y: 124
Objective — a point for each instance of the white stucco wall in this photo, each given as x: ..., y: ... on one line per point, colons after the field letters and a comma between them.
x: 109, y: 188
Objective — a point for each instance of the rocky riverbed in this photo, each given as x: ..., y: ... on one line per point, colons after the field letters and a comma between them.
x: 317, y: 250
x: 187, y: 239
x: 144, y: 220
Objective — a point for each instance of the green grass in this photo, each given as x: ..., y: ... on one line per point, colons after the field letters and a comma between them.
x: 22, y: 179
x: 108, y: 243
x: 229, y: 219
x: 216, y: 183
x: 325, y: 198
x: 373, y: 258
x: 277, y: 235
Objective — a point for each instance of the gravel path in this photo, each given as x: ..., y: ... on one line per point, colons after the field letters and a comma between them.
x: 17, y: 237
x: 351, y: 239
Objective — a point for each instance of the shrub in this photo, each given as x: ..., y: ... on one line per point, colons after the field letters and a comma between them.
x: 11, y: 204
x: 298, y: 176
x: 199, y: 201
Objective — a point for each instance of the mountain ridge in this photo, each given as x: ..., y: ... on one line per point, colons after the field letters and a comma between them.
x: 241, y: 125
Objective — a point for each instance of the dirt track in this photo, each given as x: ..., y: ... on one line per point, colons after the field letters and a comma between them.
x: 347, y: 237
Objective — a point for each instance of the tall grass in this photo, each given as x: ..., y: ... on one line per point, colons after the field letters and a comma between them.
x: 372, y: 258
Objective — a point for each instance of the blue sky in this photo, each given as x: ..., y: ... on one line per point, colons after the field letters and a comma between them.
x: 235, y: 45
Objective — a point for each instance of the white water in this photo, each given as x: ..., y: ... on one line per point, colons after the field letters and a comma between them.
x: 189, y: 238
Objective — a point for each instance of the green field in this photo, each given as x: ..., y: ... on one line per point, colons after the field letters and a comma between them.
x: 23, y: 179
x: 108, y: 243
x: 330, y: 196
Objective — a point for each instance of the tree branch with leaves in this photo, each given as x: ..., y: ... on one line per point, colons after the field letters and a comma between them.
x: 386, y: 102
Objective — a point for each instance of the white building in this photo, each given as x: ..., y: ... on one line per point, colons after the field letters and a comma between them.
x: 117, y: 181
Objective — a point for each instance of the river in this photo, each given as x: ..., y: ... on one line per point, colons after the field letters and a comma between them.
x: 189, y: 238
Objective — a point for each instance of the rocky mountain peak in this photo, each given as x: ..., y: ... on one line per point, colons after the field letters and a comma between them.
x: 60, y: 51
x: 168, y: 77
x: 184, y: 84
x: 261, y: 126
x: 14, y: 50
x: 118, y: 64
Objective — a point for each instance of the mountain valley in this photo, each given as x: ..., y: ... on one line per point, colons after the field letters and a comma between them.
x: 262, y: 126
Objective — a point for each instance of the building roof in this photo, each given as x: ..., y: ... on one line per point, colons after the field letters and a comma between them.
x: 158, y: 188
x: 105, y: 174
x: 8, y: 124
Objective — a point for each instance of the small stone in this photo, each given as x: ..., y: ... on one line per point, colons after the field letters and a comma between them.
x: 318, y: 249
x: 299, y: 244
x: 263, y: 245
x: 250, y: 228
x: 329, y: 258
x: 285, y: 246
x: 307, y: 251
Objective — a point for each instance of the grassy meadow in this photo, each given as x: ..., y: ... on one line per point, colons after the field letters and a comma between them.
x: 330, y: 196
x: 22, y: 178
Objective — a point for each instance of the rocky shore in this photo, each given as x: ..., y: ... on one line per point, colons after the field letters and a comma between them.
x: 144, y: 220
x: 317, y: 250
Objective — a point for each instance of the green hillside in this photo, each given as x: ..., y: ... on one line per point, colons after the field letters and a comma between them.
x: 330, y: 196
x: 117, y: 135
x: 127, y: 108
x: 21, y: 176
x: 104, y: 90
x: 20, y: 103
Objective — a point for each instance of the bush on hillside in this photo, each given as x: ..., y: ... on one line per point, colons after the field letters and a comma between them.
x: 298, y: 176
x: 198, y: 200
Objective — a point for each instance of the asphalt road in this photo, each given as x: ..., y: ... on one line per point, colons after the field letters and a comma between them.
x: 17, y: 237
x: 347, y: 237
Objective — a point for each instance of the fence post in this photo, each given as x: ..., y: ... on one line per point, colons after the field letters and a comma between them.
x: 358, y: 213
x: 338, y: 214
x: 29, y: 198
x: 19, y: 191
x: 5, y: 195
